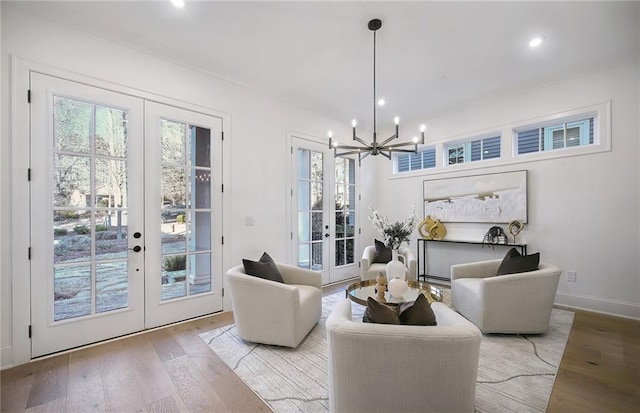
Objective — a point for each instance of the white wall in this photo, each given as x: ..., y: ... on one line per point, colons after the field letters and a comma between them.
x: 257, y: 133
x: 583, y: 210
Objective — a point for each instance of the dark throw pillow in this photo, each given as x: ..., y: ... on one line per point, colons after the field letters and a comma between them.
x: 379, y: 313
x: 414, y: 313
x: 513, y: 262
x: 417, y: 313
x: 383, y: 253
x: 265, y: 268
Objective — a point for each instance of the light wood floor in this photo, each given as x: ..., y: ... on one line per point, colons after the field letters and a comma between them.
x: 172, y: 370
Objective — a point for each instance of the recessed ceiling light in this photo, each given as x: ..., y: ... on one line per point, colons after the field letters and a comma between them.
x: 381, y: 102
x: 178, y: 3
x: 535, y: 42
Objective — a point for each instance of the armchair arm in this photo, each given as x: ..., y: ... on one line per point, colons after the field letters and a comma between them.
x: 409, y: 261
x: 296, y: 275
x: 367, y: 258
x: 480, y: 269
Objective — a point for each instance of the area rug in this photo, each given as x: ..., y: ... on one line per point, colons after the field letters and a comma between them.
x: 516, y: 373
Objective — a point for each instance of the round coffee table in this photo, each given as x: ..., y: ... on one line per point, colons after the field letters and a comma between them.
x: 359, y: 291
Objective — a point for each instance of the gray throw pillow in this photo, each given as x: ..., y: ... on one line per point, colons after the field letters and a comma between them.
x: 417, y: 313
x: 379, y: 313
x: 514, y: 263
x: 265, y: 268
x: 413, y: 313
x: 383, y: 253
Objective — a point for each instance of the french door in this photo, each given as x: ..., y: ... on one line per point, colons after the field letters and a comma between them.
x: 324, y: 201
x: 108, y: 258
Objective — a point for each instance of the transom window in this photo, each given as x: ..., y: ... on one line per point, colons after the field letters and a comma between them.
x: 557, y: 136
x: 406, y: 162
x: 473, y: 150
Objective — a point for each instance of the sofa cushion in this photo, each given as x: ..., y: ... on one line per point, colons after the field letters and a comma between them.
x: 265, y: 268
x: 514, y: 263
x: 417, y: 313
x: 383, y: 253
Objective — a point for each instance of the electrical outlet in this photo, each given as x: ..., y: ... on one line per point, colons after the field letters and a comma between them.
x: 571, y: 276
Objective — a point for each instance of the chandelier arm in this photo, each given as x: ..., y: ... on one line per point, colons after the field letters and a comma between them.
x: 389, y: 139
x: 402, y: 150
x: 361, y: 141
x: 353, y: 147
x: 401, y: 144
x: 364, y: 155
x: 386, y: 155
x: 374, y: 87
x: 351, y: 152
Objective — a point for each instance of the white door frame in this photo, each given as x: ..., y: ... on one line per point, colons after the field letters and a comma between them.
x: 291, y: 211
x: 20, y: 351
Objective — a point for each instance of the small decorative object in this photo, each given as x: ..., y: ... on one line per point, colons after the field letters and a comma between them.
x: 494, y: 235
x: 398, y: 287
x: 430, y: 229
x: 425, y: 227
x: 381, y: 287
x: 438, y: 231
x: 515, y: 227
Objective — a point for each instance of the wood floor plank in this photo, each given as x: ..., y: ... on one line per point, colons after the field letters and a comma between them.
x: 86, y: 391
x: 165, y: 345
x: 53, y: 406
x: 599, y: 371
x: 15, y: 387
x: 171, y: 404
x: 193, y: 387
x: 50, y: 381
x: 121, y: 391
x: 153, y: 380
x: 237, y: 396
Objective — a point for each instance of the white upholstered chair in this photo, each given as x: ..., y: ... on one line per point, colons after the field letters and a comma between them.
x: 271, y: 312
x: 512, y: 303
x: 402, y: 368
x: 370, y: 270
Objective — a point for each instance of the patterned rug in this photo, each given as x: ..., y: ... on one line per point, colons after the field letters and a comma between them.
x: 516, y: 373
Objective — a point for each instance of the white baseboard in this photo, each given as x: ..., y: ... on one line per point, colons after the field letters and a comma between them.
x: 6, y: 357
x: 612, y: 307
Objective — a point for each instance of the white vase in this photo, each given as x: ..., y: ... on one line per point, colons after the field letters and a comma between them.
x: 395, y: 269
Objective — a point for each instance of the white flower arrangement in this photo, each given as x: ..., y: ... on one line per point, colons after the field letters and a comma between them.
x: 393, y: 234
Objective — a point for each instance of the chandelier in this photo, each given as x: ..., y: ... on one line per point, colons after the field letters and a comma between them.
x: 385, y: 148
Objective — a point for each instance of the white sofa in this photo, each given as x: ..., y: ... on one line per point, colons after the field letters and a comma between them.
x: 512, y: 303
x: 402, y: 368
x: 370, y: 270
x: 270, y: 312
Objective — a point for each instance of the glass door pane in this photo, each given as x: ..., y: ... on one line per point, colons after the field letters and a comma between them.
x: 344, y: 211
x: 183, y: 214
x: 89, y: 208
x: 311, y: 227
x: 185, y: 217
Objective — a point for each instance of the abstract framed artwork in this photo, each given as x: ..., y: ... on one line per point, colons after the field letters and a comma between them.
x: 495, y: 198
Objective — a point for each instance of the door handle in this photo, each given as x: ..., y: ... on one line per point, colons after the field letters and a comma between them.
x: 326, y: 235
x: 137, y: 248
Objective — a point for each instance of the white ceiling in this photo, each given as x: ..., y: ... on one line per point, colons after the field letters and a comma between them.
x: 432, y: 56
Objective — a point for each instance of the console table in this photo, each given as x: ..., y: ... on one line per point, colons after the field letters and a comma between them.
x: 422, y: 254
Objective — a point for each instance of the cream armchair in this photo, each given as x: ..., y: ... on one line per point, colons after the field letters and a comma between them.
x: 271, y: 312
x: 370, y: 270
x: 511, y: 303
x: 402, y: 368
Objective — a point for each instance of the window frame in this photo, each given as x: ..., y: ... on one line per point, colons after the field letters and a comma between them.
x: 600, y: 112
x: 466, y: 145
